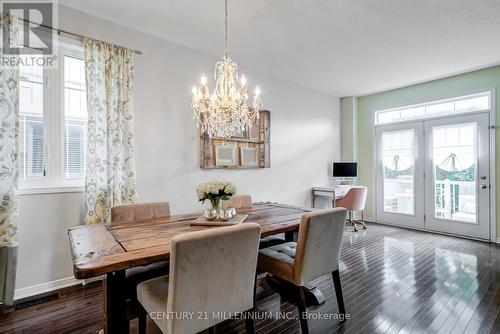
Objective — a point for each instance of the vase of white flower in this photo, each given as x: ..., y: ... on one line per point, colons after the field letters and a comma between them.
x: 215, y: 192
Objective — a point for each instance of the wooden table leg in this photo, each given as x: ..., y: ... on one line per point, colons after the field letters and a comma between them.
x: 291, y: 236
x: 115, y: 315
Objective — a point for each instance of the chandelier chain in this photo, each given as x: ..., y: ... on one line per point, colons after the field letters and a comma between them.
x: 226, y: 52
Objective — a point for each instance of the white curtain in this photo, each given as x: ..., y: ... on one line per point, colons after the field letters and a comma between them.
x: 9, y: 164
x: 110, y: 170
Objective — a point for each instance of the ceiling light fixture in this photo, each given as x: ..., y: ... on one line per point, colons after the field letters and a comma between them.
x: 225, y: 112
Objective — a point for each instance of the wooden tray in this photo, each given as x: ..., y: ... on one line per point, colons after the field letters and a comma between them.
x: 202, y: 221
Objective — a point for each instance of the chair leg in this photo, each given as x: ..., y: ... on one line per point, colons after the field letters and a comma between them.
x: 363, y: 219
x: 301, y: 304
x: 143, y: 319
x: 255, y: 290
x: 352, y: 222
x: 249, y: 323
x: 338, y: 291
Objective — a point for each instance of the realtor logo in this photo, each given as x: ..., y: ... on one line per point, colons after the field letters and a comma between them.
x: 35, y: 35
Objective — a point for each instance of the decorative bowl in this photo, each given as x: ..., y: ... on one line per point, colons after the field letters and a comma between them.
x: 225, y: 214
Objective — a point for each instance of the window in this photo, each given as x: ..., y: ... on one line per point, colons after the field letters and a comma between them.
x: 458, y: 105
x: 53, y: 122
x: 31, y: 126
x: 75, y: 118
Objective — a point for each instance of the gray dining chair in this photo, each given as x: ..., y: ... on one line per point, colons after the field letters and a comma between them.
x: 316, y: 253
x: 242, y: 202
x: 212, y: 272
x: 121, y: 215
x: 128, y: 213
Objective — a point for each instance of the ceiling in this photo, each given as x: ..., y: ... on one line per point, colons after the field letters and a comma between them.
x: 341, y: 47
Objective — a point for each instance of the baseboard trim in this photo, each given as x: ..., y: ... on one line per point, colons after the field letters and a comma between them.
x: 39, y: 289
x: 498, y: 240
x: 434, y: 232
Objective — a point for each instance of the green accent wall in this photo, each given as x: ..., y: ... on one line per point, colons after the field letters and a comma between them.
x: 360, y: 111
x: 349, y: 121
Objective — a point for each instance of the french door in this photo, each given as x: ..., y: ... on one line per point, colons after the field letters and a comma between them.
x: 400, y: 170
x: 434, y: 175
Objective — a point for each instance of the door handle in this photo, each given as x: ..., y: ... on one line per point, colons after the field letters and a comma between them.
x: 483, y: 186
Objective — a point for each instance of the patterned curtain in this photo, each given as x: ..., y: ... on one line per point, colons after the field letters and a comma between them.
x: 110, y: 170
x: 9, y: 165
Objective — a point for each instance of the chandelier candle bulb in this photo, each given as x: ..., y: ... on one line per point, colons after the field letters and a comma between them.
x: 206, y: 92
x: 257, y: 91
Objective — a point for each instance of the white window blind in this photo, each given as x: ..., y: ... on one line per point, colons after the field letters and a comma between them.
x: 75, y: 118
x: 31, y: 123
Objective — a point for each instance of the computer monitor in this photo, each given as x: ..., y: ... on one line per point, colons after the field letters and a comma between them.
x: 345, y: 169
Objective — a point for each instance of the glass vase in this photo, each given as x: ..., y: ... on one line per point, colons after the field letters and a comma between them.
x: 214, y: 211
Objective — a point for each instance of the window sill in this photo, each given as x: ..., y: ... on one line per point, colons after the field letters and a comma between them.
x: 51, y: 190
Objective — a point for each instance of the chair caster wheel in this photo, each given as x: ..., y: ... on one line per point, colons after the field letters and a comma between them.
x: 364, y: 227
x: 355, y: 229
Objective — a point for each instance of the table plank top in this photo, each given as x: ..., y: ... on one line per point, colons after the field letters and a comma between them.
x: 101, y: 249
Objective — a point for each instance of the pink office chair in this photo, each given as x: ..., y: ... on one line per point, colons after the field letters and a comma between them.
x: 354, y: 200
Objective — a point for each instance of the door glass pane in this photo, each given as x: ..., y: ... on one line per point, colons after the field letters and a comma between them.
x: 388, y: 116
x: 473, y: 104
x: 454, y: 159
x: 439, y: 109
x: 398, y: 152
x: 461, y: 104
x: 413, y: 113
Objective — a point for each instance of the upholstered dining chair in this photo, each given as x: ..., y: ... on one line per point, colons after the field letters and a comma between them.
x: 212, y: 273
x: 241, y: 202
x: 238, y: 202
x: 354, y: 200
x: 316, y: 253
x: 129, y: 213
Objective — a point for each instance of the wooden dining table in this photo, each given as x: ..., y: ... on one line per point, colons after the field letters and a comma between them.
x: 112, y: 249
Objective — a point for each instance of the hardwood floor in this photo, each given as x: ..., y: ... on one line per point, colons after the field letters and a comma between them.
x: 394, y: 281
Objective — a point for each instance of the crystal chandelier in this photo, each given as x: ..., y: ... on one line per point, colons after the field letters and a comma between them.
x: 224, y: 112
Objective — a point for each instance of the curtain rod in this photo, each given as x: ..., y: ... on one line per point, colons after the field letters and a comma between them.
x: 78, y: 36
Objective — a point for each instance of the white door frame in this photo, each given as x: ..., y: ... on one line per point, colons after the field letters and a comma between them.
x: 493, y: 171
x: 493, y: 223
x: 473, y: 230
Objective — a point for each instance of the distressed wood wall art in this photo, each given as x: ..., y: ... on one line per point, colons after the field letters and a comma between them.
x: 250, y: 150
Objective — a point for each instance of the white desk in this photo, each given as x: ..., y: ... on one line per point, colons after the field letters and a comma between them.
x: 331, y: 192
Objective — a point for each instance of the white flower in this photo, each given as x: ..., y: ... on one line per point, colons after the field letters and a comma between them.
x: 215, y: 189
x: 230, y: 188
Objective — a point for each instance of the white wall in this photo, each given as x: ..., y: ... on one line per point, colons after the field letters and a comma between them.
x: 305, y: 138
